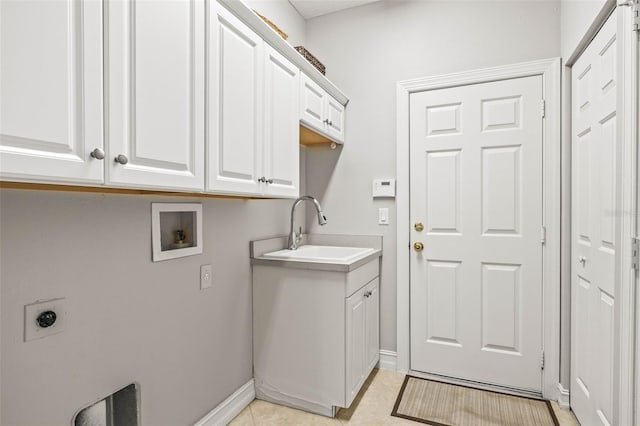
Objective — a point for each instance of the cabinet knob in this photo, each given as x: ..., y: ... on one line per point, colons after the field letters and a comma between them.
x: 269, y: 180
x: 262, y: 179
x: 419, y: 227
x: 122, y: 159
x: 582, y: 260
x: 330, y: 123
x: 98, y: 154
x: 326, y: 121
x: 418, y: 246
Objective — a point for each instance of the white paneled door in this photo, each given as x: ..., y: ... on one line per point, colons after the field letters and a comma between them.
x: 476, y: 188
x: 593, y: 140
x: 51, y: 91
x: 155, y: 93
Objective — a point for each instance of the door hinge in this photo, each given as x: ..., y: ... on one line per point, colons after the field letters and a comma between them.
x: 543, y: 108
x: 543, y: 235
x: 542, y: 360
x: 635, y: 253
x: 635, y: 13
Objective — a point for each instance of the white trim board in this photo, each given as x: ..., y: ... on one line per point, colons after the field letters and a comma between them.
x: 563, y: 396
x: 549, y: 69
x: 230, y: 407
x: 388, y: 360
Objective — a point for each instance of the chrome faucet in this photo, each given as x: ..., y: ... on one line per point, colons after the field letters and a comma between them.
x: 295, y: 238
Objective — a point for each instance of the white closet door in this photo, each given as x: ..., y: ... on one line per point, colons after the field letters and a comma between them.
x: 594, y: 191
x: 155, y: 82
x: 476, y: 184
x: 50, y: 91
x: 235, y: 102
x: 281, y: 126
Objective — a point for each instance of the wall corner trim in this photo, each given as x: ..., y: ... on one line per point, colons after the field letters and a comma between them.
x: 228, y: 409
x: 563, y: 396
x: 388, y: 360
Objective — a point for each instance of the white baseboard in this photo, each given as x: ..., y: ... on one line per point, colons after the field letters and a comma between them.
x: 230, y: 407
x: 388, y: 360
x: 563, y: 396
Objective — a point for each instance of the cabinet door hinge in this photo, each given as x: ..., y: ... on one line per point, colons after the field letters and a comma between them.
x: 543, y: 108
x: 542, y: 360
x: 543, y: 235
x: 635, y: 253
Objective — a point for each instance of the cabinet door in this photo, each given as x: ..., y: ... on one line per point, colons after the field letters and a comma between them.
x: 155, y: 81
x: 235, y: 105
x: 51, y: 91
x: 335, y: 119
x: 356, y: 344
x: 282, y: 130
x: 312, y: 104
x: 372, y: 324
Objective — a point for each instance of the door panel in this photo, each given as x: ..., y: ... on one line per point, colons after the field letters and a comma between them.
x: 51, y: 75
x: 594, y: 187
x: 476, y: 181
x: 235, y: 101
x: 312, y: 103
x: 156, y: 94
x: 282, y: 126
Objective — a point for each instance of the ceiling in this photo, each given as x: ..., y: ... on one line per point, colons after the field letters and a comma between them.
x: 312, y: 8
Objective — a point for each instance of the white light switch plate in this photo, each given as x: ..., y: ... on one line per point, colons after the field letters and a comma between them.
x: 32, y: 330
x: 206, y: 276
x: 383, y: 216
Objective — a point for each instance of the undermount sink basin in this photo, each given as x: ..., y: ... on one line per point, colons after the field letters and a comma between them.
x: 322, y: 254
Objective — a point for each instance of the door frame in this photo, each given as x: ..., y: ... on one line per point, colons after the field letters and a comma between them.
x: 627, y: 326
x: 550, y: 70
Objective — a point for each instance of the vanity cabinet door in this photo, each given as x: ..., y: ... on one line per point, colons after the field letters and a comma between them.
x: 356, y: 344
x: 235, y: 99
x: 372, y: 324
x: 155, y: 88
x: 281, y: 154
x: 51, y: 96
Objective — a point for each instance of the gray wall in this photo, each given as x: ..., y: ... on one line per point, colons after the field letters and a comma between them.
x: 284, y: 16
x: 129, y: 319
x: 366, y: 51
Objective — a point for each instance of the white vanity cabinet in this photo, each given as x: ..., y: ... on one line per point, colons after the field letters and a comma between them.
x: 51, y: 91
x: 315, y: 333
x: 319, y: 111
x: 253, y: 98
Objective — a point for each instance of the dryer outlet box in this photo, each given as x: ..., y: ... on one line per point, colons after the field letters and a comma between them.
x: 33, y: 330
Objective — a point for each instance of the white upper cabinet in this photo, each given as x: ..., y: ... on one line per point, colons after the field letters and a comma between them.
x: 319, y: 111
x: 235, y: 104
x: 253, y: 137
x: 281, y: 154
x: 51, y: 91
x: 335, y: 119
x: 155, y: 88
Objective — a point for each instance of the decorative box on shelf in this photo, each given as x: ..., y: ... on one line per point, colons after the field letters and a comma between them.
x: 311, y: 59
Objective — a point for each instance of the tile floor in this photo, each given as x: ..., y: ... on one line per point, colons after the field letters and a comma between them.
x: 372, y: 407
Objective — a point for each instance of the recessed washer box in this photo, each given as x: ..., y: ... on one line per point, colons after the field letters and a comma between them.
x: 32, y: 330
x: 176, y: 230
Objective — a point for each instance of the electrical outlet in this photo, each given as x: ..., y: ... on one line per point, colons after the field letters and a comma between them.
x: 44, y: 318
x: 206, y: 276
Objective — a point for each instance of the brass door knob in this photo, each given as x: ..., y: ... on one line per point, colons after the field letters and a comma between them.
x: 418, y: 246
x: 419, y: 227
